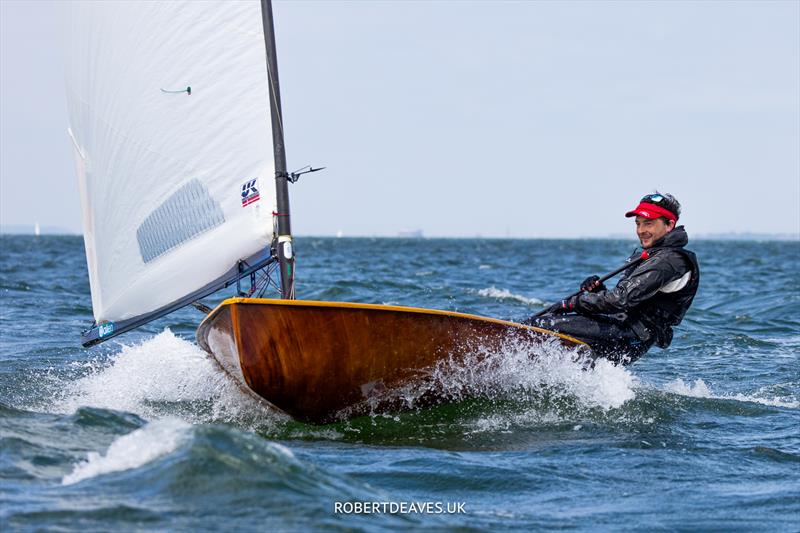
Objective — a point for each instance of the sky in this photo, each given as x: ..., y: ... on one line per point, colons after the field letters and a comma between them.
x: 472, y: 118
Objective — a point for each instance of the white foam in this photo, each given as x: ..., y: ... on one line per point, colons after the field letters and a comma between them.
x: 166, y: 376
x: 555, y: 373
x: 699, y: 389
x: 522, y: 370
x: 133, y: 450
x: 163, y: 376
x: 505, y: 294
x: 283, y: 450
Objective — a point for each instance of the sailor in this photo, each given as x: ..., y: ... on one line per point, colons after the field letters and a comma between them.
x: 622, y: 323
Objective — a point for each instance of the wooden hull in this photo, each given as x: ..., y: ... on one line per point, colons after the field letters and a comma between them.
x: 315, y: 360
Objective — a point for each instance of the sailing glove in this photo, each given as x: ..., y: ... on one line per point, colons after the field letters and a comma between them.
x: 592, y: 284
x: 567, y: 306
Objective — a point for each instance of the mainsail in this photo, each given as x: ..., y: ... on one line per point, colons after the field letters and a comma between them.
x: 169, y: 116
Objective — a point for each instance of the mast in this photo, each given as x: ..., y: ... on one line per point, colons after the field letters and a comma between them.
x: 285, y: 248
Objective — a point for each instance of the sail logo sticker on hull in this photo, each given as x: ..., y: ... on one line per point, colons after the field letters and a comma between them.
x: 250, y: 194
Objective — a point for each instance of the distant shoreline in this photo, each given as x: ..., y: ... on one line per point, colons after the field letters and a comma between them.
x: 745, y: 237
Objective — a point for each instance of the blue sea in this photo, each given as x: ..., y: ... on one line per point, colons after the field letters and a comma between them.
x: 145, y: 433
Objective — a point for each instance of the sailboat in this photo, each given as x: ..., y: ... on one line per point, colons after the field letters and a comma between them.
x: 177, y: 128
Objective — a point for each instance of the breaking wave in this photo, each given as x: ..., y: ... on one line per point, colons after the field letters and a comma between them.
x: 133, y: 450
x: 699, y: 389
x: 505, y: 294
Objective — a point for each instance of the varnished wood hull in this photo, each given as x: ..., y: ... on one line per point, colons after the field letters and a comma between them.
x: 315, y: 360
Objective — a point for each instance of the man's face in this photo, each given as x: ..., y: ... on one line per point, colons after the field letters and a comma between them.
x: 649, y: 230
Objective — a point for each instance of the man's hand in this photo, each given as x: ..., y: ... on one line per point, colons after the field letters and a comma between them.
x: 592, y: 284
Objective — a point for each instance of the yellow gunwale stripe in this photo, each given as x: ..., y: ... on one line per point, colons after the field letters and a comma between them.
x: 379, y: 307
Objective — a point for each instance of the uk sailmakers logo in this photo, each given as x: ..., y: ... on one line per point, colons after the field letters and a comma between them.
x: 250, y: 193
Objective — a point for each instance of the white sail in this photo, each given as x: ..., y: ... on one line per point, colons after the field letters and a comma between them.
x: 170, y: 120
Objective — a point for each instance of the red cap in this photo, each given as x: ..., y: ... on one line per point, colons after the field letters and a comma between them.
x: 647, y: 210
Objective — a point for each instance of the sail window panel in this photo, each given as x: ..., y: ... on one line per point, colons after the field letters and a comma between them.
x: 189, y: 212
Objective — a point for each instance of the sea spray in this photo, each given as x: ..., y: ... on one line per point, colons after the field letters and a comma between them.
x: 516, y: 371
x: 166, y: 375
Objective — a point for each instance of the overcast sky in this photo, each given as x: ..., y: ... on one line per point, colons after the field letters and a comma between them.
x: 516, y: 119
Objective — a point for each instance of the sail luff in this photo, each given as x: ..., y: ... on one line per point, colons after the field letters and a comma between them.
x: 285, y: 245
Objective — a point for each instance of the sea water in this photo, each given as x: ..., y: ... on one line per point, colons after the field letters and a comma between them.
x: 146, y: 433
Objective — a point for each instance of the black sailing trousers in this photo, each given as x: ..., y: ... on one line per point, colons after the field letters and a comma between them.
x: 608, y: 337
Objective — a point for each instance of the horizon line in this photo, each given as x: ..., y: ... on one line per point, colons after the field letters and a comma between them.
x: 22, y: 230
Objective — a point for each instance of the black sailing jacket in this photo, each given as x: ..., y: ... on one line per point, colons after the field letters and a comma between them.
x: 653, y: 296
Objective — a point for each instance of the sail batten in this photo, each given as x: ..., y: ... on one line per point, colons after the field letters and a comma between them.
x: 169, y: 117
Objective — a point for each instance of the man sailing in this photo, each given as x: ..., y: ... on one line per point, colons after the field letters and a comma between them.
x: 652, y: 296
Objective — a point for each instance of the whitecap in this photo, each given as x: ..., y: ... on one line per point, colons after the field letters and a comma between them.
x: 505, y: 294
x: 699, y: 389
x: 133, y: 450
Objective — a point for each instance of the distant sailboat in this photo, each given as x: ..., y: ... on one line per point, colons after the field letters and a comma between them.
x: 410, y: 233
x: 36, y: 229
x: 175, y: 117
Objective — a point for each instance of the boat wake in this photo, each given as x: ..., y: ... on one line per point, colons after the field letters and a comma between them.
x: 165, y: 376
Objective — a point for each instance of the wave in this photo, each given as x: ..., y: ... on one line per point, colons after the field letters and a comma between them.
x: 165, y: 376
x: 233, y: 468
x: 133, y: 450
x: 505, y: 294
x: 699, y: 389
